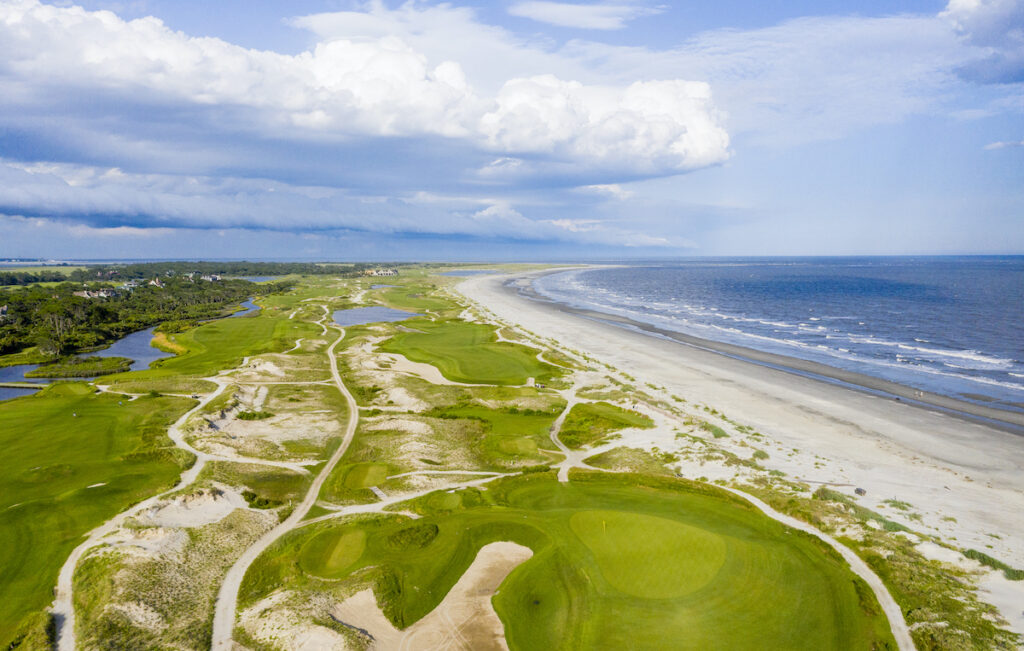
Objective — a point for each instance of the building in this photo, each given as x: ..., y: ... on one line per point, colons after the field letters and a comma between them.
x: 3, y: 312
x: 382, y: 272
x: 156, y: 283
x: 100, y: 293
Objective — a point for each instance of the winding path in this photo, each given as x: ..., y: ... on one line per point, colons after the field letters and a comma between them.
x: 227, y: 597
x: 63, y: 608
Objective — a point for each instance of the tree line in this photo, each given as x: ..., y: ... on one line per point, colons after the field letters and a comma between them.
x: 141, y: 270
x: 59, y: 323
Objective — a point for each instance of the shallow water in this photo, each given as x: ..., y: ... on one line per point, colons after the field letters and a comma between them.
x: 249, y: 306
x: 375, y: 314
x: 8, y: 393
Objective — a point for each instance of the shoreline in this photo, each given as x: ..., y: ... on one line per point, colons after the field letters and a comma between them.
x: 962, y: 477
x: 1002, y: 419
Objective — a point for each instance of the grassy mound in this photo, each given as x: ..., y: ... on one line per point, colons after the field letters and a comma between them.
x: 589, y: 422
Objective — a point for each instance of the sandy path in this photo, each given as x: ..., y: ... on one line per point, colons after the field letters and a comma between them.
x: 227, y: 597
x: 465, y: 618
x: 63, y: 605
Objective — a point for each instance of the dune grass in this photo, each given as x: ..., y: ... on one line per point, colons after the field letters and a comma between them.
x: 620, y: 561
x: 73, y: 459
x: 469, y: 353
x: 591, y: 422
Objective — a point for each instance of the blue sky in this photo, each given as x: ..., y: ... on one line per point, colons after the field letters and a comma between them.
x: 526, y: 129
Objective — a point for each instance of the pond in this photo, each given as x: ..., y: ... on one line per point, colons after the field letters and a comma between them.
x: 135, y: 346
x: 249, y: 306
x: 256, y: 279
x: 381, y: 286
x: 6, y: 393
x: 375, y: 314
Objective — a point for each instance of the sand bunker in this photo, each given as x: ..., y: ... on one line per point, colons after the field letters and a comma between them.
x: 200, y: 508
x: 465, y: 618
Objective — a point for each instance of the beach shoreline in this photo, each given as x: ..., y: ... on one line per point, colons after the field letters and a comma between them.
x: 963, y: 477
x: 1003, y: 419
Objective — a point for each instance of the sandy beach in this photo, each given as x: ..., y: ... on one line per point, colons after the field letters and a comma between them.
x: 964, y: 478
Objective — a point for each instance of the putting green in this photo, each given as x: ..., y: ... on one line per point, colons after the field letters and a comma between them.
x: 328, y: 555
x: 647, y: 556
x: 620, y: 561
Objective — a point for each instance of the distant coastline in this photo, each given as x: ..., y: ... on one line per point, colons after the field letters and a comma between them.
x: 1002, y: 419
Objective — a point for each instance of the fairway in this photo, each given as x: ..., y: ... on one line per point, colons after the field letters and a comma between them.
x: 469, y: 353
x: 619, y: 561
x: 75, y: 458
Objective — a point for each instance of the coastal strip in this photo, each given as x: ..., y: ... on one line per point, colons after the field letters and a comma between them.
x: 1006, y: 420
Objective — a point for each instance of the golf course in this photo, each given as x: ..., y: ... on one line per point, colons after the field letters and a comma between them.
x: 619, y: 562
x: 283, y: 481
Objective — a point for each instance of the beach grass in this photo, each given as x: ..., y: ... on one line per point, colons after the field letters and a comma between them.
x: 620, y: 561
x: 591, y: 422
x: 75, y: 458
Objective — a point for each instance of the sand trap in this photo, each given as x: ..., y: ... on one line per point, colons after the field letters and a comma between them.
x: 465, y: 619
x: 203, y: 507
x: 428, y: 372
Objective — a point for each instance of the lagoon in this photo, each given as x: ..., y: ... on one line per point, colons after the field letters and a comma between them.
x: 375, y: 314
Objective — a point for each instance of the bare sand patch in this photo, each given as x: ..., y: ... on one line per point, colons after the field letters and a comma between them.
x: 465, y: 618
x: 141, y: 615
x: 205, y: 506
x: 407, y: 425
x: 273, y: 621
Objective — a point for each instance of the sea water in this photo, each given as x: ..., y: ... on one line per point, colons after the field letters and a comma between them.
x: 950, y: 325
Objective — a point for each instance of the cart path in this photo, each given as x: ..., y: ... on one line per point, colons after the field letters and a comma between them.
x: 227, y: 598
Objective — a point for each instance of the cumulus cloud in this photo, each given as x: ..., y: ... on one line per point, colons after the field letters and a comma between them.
x: 997, y: 26
x: 372, y: 87
x: 585, y: 16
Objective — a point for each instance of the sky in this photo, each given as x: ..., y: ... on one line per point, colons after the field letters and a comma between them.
x: 510, y: 130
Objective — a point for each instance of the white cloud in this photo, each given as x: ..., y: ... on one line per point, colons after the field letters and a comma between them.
x: 996, y: 25
x: 371, y: 87
x: 581, y: 16
x: 608, y: 189
x: 1004, y: 144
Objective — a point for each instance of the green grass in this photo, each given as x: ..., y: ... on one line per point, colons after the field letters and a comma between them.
x: 509, y: 434
x: 221, y: 344
x: 669, y: 560
x: 1009, y: 572
x: 82, y: 367
x: 57, y: 443
x: 620, y: 561
x: 469, y: 353
x: 591, y: 422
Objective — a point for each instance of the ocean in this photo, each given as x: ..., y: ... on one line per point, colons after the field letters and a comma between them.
x: 948, y: 325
